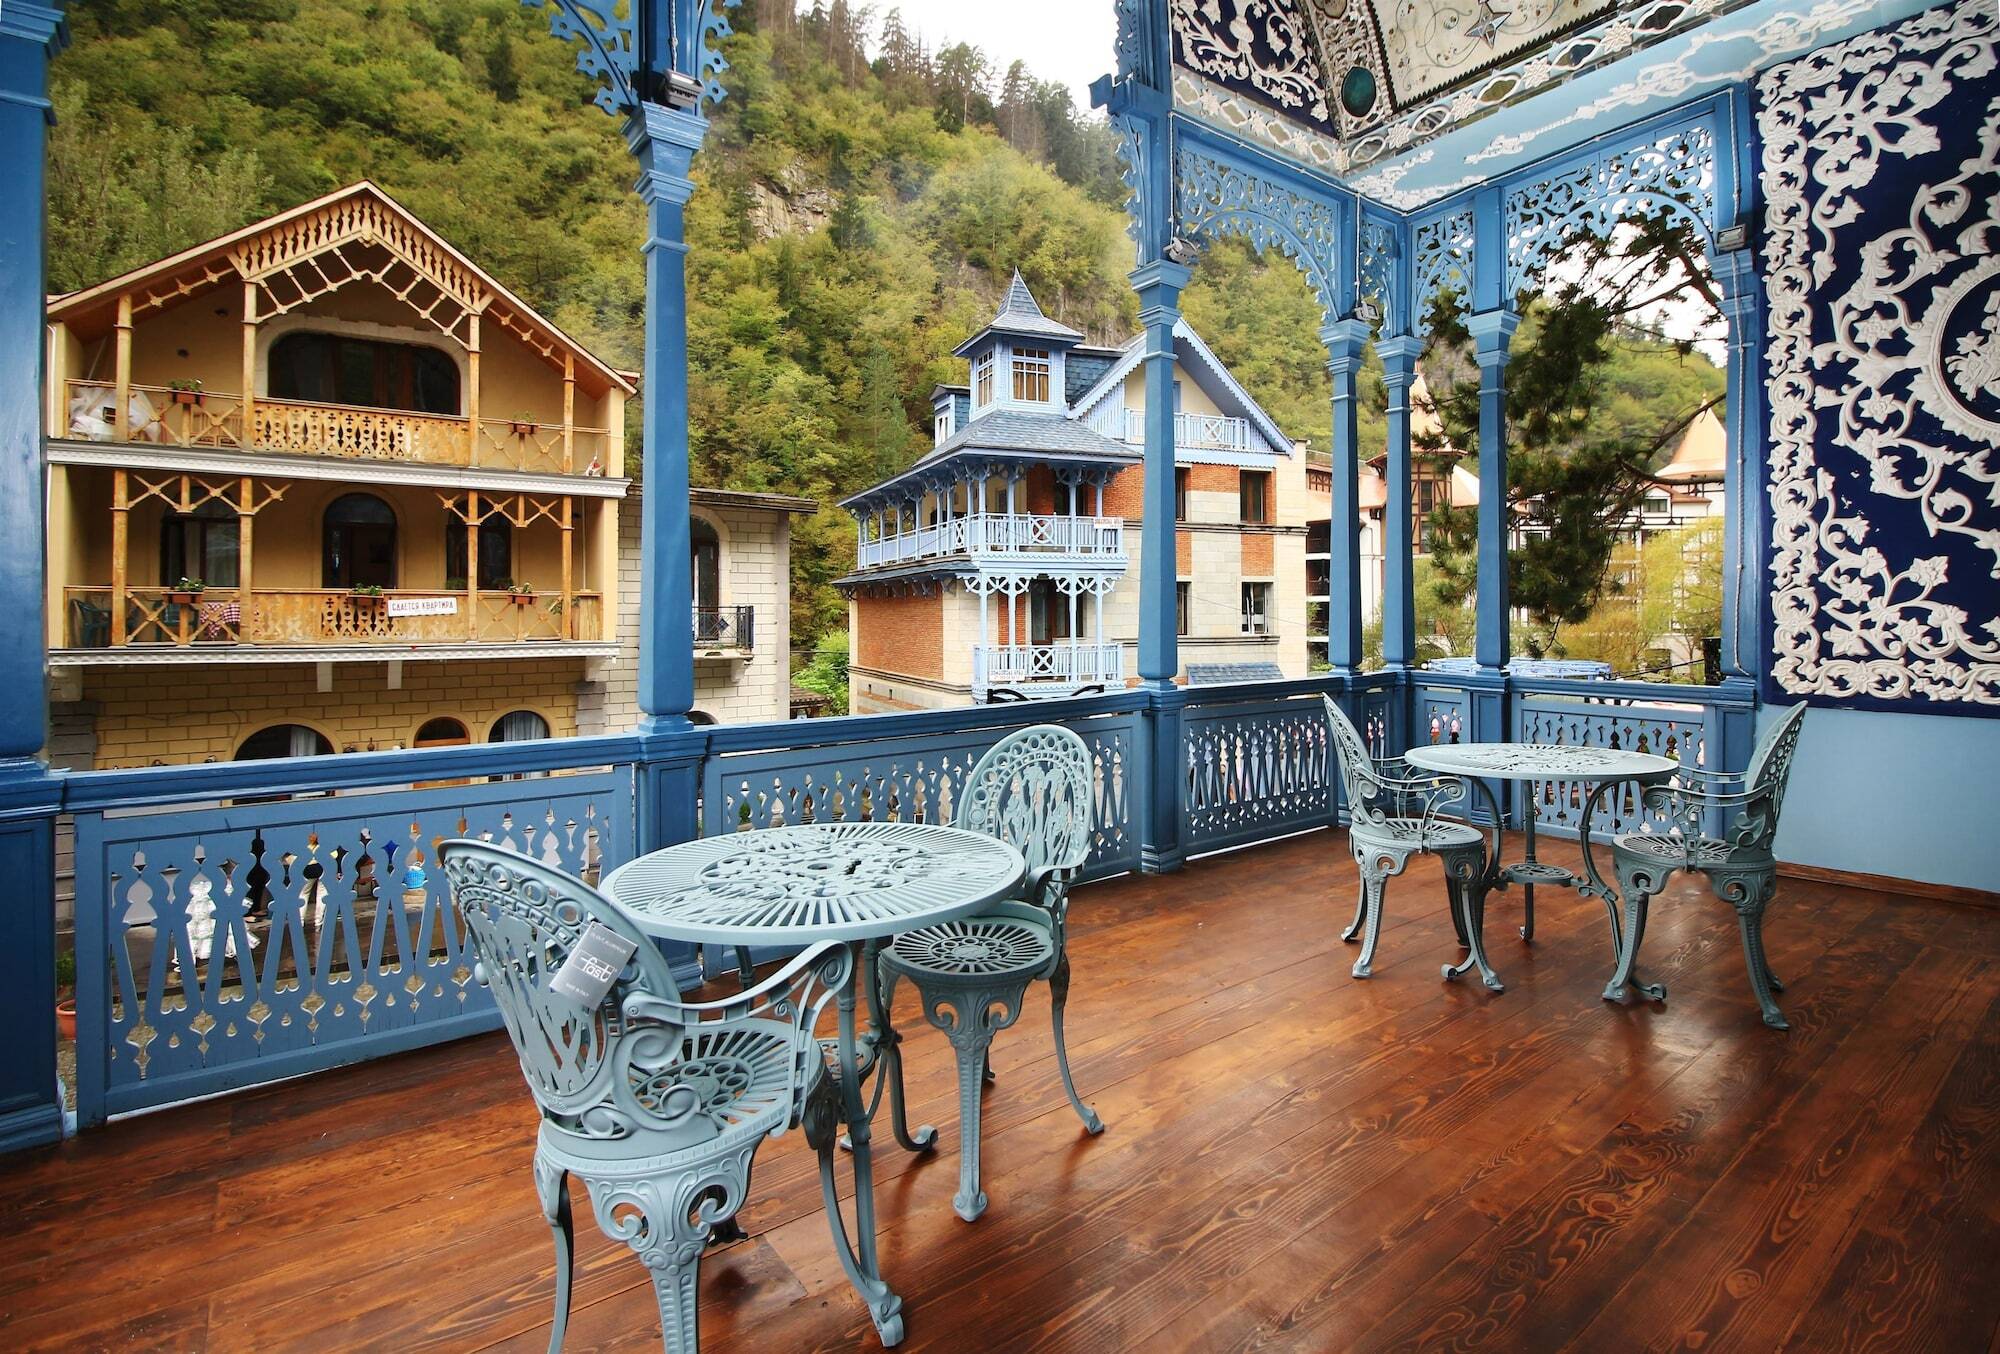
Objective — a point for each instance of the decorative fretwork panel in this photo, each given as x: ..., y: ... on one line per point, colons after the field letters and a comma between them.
x: 1441, y: 716
x: 1673, y: 175
x: 1442, y: 249
x: 1659, y: 731
x: 222, y: 947
x: 1256, y: 770
x: 372, y: 434
x: 911, y: 780
x: 1213, y: 197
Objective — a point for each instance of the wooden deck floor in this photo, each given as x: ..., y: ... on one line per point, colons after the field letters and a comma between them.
x: 1294, y: 1160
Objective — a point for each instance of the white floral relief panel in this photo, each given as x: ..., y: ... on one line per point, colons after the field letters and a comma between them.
x: 1881, y: 264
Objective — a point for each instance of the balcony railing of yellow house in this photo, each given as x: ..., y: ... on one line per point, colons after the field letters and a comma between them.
x: 318, y: 617
x: 161, y: 416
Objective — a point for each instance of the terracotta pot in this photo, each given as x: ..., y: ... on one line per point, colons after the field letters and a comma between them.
x: 190, y: 397
x: 523, y: 429
x: 522, y: 598
x: 66, y: 1019
x: 184, y: 598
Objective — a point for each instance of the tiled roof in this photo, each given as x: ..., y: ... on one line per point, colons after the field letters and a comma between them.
x: 1015, y: 430
x: 1020, y: 313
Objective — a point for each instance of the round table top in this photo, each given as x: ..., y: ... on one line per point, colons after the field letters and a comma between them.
x: 815, y: 881
x: 1540, y: 761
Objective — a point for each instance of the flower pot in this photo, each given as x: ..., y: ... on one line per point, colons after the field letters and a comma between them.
x: 66, y: 1019
x: 522, y: 598
x: 180, y: 598
x: 520, y: 429
x: 187, y: 397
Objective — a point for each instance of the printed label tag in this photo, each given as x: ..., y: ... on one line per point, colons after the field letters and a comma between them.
x: 599, y: 957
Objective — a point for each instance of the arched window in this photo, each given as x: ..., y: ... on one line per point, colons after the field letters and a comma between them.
x: 201, y: 544
x: 442, y: 732
x: 519, y: 726
x: 700, y: 717
x: 358, y: 543
x: 284, y: 740
x: 339, y: 369
x: 496, y: 554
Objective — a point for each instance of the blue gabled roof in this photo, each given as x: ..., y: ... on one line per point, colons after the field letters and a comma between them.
x: 1015, y: 433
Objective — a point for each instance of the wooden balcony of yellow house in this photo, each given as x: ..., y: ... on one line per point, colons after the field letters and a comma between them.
x: 344, y: 328
x: 150, y: 567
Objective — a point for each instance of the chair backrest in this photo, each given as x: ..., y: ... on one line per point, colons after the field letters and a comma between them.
x: 523, y: 919
x: 1368, y: 799
x: 1765, y: 779
x: 1032, y: 790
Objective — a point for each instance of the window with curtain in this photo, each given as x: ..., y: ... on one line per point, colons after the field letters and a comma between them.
x: 518, y: 726
x: 496, y: 553
x: 341, y: 369
x: 202, y: 544
x: 283, y: 740
x: 1181, y: 606
x: 1180, y: 494
x: 1031, y: 375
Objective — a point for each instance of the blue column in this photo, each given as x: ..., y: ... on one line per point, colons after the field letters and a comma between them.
x: 1742, y: 543
x: 30, y: 1111
x: 1399, y: 609
x: 1345, y: 340
x: 664, y: 141
x: 1159, y: 284
x: 1491, y: 332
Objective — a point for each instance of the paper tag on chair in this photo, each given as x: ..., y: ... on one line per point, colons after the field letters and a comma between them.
x: 599, y: 957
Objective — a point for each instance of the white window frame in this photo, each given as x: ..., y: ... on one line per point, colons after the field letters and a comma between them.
x: 1257, y: 620
x: 941, y: 426
x: 1031, y: 365
x: 982, y: 380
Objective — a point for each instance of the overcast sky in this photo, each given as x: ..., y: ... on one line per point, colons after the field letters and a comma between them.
x: 1066, y: 40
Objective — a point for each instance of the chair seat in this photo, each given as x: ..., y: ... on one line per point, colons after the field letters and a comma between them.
x: 1416, y: 833
x: 1694, y: 852
x: 726, y: 1086
x: 972, y: 950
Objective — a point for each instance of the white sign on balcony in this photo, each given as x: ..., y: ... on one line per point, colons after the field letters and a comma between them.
x: 423, y: 606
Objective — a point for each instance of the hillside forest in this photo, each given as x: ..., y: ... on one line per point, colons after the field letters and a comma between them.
x: 861, y: 202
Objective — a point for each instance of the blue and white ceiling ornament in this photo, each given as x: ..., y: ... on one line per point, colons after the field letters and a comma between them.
x: 1410, y: 101
x: 1881, y: 266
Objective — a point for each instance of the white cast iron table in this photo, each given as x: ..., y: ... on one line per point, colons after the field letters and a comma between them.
x: 1544, y: 761
x: 855, y: 882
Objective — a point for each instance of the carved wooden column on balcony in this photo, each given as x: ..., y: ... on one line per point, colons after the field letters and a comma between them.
x: 121, y: 511
x: 569, y: 413
x: 246, y: 522
x: 472, y: 563
x: 246, y: 409
x: 472, y: 409
x: 568, y: 579
x: 121, y: 418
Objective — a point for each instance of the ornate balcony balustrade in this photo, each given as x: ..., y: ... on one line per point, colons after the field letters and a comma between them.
x: 223, y: 943
x: 1195, y: 432
x: 1005, y: 535
x: 158, y: 618
x: 1057, y: 669
x: 160, y: 416
x: 730, y: 629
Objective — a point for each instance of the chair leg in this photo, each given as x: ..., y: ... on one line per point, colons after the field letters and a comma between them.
x: 1360, y: 912
x: 1749, y: 891
x: 970, y: 1017
x: 890, y: 1049
x: 1638, y: 881
x: 552, y: 1184
x: 666, y: 1219
x: 1465, y: 883
x: 986, y: 1072
x: 1376, y: 867
x: 1058, y: 999
x: 821, y: 1119
x: 676, y: 1282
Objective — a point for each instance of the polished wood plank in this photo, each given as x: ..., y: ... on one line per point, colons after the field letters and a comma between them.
x: 1294, y: 1160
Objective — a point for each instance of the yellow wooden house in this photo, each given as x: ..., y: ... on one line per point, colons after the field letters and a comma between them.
x: 323, y: 483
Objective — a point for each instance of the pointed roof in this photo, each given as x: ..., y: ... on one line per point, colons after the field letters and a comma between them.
x: 1701, y: 456
x: 451, y: 285
x: 1020, y: 314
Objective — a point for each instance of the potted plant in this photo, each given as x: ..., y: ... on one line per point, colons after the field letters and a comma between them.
x: 66, y: 994
x: 185, y: 392
x: 186, y: 592
x: 523, y: 426
x: 367, y: 592
x: 522, y: 594
x: 454, y: 584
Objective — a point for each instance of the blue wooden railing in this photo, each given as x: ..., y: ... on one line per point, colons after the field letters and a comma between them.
x: 244, y: 922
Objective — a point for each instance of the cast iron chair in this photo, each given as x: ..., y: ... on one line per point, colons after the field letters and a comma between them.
x: 1033, y: 791
x: 1740, y: 865
x: 655, y: 1103
x: 1393, y: 815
